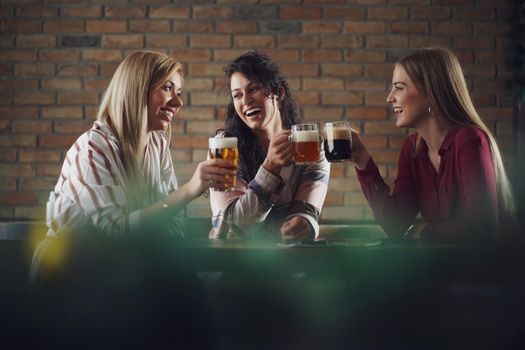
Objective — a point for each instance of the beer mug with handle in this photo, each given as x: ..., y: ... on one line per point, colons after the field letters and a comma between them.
x: 306, y: 143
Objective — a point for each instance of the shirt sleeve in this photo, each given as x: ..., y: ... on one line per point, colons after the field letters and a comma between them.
x: 477, y: 182
x: 395, y: 212
x: 311, y: 193
x: 248, y: 206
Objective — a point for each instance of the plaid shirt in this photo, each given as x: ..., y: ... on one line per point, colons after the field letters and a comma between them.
x: 259, y: 208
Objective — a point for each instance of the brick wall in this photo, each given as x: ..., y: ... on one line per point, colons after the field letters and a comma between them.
x: 56, y: 59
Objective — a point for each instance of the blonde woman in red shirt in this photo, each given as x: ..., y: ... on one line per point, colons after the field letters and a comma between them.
x: 450, y: 170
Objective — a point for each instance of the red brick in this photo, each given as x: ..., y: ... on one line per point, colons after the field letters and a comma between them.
x: 193, y: 84
x: 180, y: 155
x: 166, y: 40
x: 64, y: 26
x: 192, y: 27
x: 365, y: 56
x: 7, y: 40
x: 102, y: 55
x: 30, y: 156
x: 57, y: 141
x: 6, y: 97
x: 251, y: 41
x: 34, y: 97
x: 227, y: 55
x: 210, y: 41
x: 126, y: 11
x: 78, y: 97
x: 366, y: 85
x: 36, y: 41
x: 418, y: 41
x: 146, y: 25
x: 379, y: 70
x: 36, y: 11
x: 494, y: 29
x: 169, y: 12
x: 16, y: 170
x: 366, y: 113
x: 281, y: 55
x: 429, y: 12
x: 20, y: 26
x: 205, y: 69
x: 342, y: 98
x: 30, y: 127
x: 323, y: 84
x: 207, y: 12
x: 106, y: 26
x: 18, y: 84
x: 298, y: 41
x: 68, y: 55
x: 33, y: 184
x: 474, y: 42
x: 208, y: 98
x: 484, y: 99
x: 72, y: 127
x: 455, y: 2
x: 343, y: 41
x: 62, y: 112
x: 126, y: 41
x: 341, y: 69
x: 7, y: 155
x: 99, y: 84
x: 49, y: 169
x: 299, y: 12
x: 203, y: 127
x: 184, y: 141
x: 18, y: 198
x: 374, y: 142
x: 387, y: 13
x: 307, y: 98
x: 375, y: 99
x: 412, y: 27
x: 386, y: 41
x: 240, y: 27
x: 61, y: 84
x: 299, y: 70
x: 107, y: 69
x: 333, y: 198
x: 452, y: 27
x: 364, y: 27
x: 191, y: 55
x: 345, y: 13
x: 475, y: 14
x: 34, y: 69
x: 196, y: 113
x: 77, y: 70
x: 322, y: 56
x: 17, y: 55
x: 386, y: 128
x: 81, y: 11
x: 13, y: 112
x: 323, y: 113
x: 322, y: 27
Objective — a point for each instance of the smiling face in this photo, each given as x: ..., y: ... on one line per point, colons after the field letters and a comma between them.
x: 409, y: 104
x: 256, y: 109
x: 164, y: 102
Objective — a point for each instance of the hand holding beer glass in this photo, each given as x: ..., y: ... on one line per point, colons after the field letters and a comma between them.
x: 306, y: 143
x: 338, y: 141
x: 225, y: 148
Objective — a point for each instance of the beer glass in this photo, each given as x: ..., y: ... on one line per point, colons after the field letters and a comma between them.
x: 306, y: 145
x: 338, y: 141
x: 225, y: 148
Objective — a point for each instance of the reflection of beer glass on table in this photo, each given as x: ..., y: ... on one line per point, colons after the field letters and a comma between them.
x: 306, y: 146
x: 225, y: 148
x: 338, y: 141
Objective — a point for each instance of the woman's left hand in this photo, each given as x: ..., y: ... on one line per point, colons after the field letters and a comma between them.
x: 296, y: 228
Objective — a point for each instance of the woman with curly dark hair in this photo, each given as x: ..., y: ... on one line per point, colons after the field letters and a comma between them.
x: 273, y: 195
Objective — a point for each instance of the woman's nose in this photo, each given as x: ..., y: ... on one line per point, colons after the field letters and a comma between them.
x: 176, y: 101
x: 390, y: 98
x: 246, y: 99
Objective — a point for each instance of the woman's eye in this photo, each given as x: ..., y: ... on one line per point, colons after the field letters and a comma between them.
x: 167, y: 88
x: 236, y: 96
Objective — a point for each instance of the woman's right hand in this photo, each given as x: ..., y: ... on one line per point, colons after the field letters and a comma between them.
x: 360, y: 155
x: 214, y: 173
x: 279, y: 152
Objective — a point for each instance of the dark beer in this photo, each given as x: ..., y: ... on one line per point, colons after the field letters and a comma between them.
x: 225, y: 148
x: 338, y: 142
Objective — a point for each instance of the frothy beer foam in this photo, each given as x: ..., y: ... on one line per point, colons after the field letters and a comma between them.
x: 338, y: 133
x: 306, y: 136
x: 222, y: 142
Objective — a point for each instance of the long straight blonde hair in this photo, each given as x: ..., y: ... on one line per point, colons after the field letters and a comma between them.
x: 437, y: 73
x: 124, y: 106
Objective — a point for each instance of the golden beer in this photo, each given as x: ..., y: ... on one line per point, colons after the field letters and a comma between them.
x: 306, y: 147
x: 225, y: 148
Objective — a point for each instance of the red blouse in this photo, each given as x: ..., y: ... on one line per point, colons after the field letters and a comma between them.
x: 458, y: 204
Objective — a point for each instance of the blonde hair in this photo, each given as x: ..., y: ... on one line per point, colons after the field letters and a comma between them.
x: 437, y: 73
x: 124, y: 106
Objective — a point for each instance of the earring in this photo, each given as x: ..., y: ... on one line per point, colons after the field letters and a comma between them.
x: 430, y: 111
